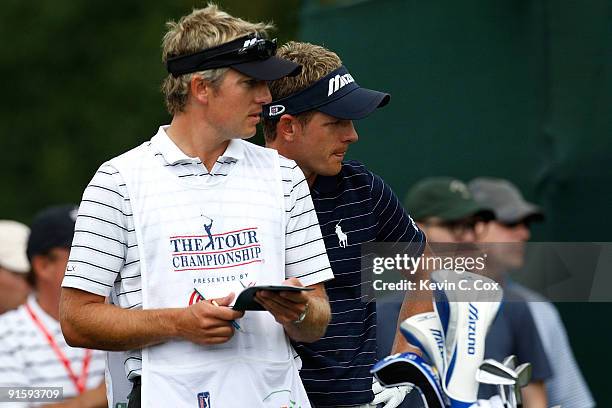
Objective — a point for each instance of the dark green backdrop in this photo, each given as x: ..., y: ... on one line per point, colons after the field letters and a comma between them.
x: 512, y: 88
x: 519, y: 89
x: 80, y: 84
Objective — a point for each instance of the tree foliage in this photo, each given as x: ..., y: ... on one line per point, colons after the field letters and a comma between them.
x: 81, y: 85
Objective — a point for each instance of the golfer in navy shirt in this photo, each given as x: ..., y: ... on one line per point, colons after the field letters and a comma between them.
x: 311, y: 121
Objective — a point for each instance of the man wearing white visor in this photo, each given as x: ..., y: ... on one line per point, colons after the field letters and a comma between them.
x: 174, y: 228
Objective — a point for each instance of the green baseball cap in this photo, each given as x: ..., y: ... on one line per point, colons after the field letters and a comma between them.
x: 446, y: 198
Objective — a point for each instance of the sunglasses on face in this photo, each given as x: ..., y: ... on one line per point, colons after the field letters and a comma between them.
x: 461, y: 228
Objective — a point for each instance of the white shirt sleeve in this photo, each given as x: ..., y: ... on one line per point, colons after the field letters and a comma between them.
x: 102, y: 233
x: 305, y: 254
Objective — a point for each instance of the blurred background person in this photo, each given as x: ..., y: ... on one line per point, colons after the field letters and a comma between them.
x: 445, y: 210
x: 14, y: 265
x: 509, y: 232
x: 33, y: 352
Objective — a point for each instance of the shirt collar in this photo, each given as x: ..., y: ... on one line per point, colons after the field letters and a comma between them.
x: 45, y: 318
x: 235, y: 150
x: 172, y: 154
x: 326, y: 184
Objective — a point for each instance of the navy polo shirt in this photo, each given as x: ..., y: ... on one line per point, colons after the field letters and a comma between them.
x: 336, y: 368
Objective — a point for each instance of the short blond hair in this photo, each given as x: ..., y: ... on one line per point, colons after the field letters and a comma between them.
x: 316, y: 62
x: 201, y: 29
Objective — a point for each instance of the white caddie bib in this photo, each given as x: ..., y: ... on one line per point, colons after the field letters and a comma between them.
x: 218, y: 237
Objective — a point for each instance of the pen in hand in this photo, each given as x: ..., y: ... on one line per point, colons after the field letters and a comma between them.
x: 214, y: 302
x: 234, y: 323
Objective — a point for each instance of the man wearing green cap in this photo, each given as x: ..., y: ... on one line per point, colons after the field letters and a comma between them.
x: 445, y: 209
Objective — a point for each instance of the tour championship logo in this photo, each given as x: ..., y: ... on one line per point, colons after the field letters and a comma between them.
x: 215, y: 251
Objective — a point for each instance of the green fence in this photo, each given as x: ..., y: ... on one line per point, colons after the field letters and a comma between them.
x: 519, y: 89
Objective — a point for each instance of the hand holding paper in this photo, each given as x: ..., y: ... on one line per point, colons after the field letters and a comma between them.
x: 288, y: 304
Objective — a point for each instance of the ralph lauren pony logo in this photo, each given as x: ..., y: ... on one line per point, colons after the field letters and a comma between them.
x: 342, y: 237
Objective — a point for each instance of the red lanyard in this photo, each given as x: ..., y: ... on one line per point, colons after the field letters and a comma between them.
x: 79, y: 382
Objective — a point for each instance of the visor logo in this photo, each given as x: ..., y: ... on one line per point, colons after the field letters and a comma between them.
x: 338, y: 82
x: 276, y: 110
x: 250, y: 42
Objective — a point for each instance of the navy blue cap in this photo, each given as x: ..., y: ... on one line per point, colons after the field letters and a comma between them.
x: 52, y: 228
x: 336, y: 94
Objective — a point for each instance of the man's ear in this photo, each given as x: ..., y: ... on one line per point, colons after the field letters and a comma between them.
x: 200, y: 88
x: 288, y: 128
x: 40, y: 267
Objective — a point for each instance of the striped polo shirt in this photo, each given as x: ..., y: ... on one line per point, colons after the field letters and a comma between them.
x: 27, y: 358
x: 104, y: 258
x: 336, y: 369
x: 567, y: 386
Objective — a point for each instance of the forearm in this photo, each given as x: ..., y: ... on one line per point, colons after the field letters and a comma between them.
x: 534, y: 395
x: 410, y: 306
x: 89, y: 322
x: 108, y: 327
x: 94, y: 398
x: 415, y: 302
x: 314, y: 324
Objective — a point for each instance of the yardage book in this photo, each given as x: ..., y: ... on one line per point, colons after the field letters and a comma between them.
x: 246, y: 298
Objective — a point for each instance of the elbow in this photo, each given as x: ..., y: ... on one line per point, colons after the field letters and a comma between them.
x: 72, y: 339
x: 71, y: 334
x: 69, y: 326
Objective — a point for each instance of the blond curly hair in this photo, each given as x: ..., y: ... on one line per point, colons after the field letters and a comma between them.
x: 201, y: 29
x: 316, y: 62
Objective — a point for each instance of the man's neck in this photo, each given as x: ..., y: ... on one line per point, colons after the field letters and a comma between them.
x: 49, y: 302
x: 310, y: 176
x: 196, y: 138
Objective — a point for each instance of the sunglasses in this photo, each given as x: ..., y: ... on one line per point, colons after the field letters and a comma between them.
x: 261, y: 49
x: 463, y: 227
x: 241, y: 50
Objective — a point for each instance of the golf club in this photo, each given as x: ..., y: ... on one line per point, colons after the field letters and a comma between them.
x: 523, y: 374
x: 510, y: 362
x: 494, y: 372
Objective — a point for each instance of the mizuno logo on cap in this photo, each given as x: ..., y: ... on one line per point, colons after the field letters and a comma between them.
x: 276, y: 110
x: 250, y: 42
x: 338, y: 82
